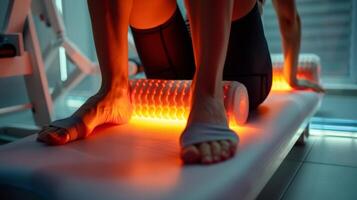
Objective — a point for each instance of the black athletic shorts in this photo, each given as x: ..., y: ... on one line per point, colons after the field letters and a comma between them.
x: 166, y: 53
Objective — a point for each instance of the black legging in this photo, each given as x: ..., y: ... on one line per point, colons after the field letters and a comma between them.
x: 166, y: 53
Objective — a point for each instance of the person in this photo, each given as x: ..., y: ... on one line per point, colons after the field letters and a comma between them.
x: 227, y: 41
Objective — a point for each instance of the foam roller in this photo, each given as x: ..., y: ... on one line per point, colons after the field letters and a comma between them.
x: 308, y: 67
x: 170, y: 99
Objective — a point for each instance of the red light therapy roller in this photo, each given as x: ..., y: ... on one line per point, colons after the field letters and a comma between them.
x: 170, y: 99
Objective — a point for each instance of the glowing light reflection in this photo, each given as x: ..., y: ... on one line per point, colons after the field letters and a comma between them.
x: 167, y: 101
x: 279, y: 83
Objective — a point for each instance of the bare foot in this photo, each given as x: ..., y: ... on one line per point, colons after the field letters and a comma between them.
x: 112, y: 107
x: 208, y: 110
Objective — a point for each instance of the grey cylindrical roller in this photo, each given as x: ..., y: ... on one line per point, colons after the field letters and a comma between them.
x: 308, y: 68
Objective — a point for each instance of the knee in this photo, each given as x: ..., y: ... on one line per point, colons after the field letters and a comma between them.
x: 148, y: 14
x: 241, y: 8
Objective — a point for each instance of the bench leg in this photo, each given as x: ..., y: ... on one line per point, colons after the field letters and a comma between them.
x: 304, y: 135
x: 36, y: 82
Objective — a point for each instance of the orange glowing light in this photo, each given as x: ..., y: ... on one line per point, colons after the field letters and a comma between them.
x: 279, y: 83
x: 157, y: 122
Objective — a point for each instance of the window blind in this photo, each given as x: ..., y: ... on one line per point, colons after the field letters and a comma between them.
x: 326, y: 31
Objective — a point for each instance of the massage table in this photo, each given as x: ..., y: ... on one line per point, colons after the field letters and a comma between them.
x: 140, y: 160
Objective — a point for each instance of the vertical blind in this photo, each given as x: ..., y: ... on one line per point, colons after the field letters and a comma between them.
x: 326, y: 31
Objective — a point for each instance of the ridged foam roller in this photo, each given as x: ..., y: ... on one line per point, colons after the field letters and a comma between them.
x: 170, y: 99
x: 308, y: 67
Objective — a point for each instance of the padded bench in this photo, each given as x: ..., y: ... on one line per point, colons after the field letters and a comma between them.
x: 141, y: 160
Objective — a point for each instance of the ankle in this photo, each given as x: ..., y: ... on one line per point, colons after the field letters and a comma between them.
x: 117, y: 86
x: 207, y: 85
x: 207, y: 91
x: 208, y: 110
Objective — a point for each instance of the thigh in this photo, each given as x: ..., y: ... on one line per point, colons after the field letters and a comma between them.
x: 151, y: 13
x: 242, y: 7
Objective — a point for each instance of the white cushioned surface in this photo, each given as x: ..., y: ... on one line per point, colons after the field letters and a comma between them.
x: 132, y: 162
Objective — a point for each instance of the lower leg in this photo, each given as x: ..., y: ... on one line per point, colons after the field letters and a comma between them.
x: 290, y: 29
x: 289, y: 23
x: 210, y: 46
x: 110, y: 20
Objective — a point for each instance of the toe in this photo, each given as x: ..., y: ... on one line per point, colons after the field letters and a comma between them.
x: 216, y: 151
x: 225, y: 151
x: 43, y: 134
x: 54, y: 136
x: 206, y: 154
x: 190, y: 154
x: 44, y: 130
x: 62, y: 136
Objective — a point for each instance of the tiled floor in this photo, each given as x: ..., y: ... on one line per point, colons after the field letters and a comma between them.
x: 324, y: 168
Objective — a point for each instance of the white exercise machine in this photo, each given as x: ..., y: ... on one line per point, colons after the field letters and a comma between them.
x: 21, y: 56
x: 50, y: 14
